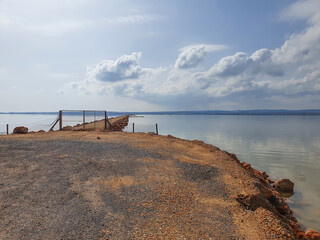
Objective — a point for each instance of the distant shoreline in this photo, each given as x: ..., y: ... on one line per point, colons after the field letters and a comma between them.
x: 306, y: 112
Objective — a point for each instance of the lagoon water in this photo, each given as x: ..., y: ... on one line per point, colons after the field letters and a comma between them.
x: 283, y: 146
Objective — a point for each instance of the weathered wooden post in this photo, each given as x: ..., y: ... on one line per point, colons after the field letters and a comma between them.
x: 105, y: 120
x: 7, y: 129
x: 133, y: 127
x: 60, y: 120
x: 84, y: 120
x: 157, y: 128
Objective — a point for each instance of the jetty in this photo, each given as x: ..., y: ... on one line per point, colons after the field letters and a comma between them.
x: 116, y: 185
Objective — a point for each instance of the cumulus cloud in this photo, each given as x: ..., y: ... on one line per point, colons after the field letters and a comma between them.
x: 291, y: 69
x: 238, y: 72
x: 269, y: 77
x: 191, y: 56
x: 125, y: 67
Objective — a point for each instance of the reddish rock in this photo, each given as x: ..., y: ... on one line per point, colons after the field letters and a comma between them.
x: 246, y: 166
x: 266, y: 191
x: 299, y: 234
x: 253, y: 201
x: 41, y: 131
x: 284, y: 185
x: 297, y: 231
x: 270, y: 180
x: 313, y: 235
x: 265, y: 175
x: 234, y: 157
x: 20, y: 130
x: 257, y: 172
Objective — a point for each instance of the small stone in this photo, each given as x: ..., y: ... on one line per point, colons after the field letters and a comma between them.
x: 98, y: 137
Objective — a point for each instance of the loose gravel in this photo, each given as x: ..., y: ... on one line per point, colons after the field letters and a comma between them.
x: 60, y: 189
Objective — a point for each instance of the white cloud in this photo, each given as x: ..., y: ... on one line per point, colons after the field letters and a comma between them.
x: 269, y: 77
x: 125, y: 67
x: 132, y: 19
x: 191, y: 56
x: 63, y: 17
x: 239, y: 73
x: 305, y: 9
x: 290, y: 70
x: 123, y: 76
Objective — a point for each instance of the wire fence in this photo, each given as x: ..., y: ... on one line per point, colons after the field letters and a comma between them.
x: 43, y: 124
x: 36, y: 122
x: 142, y: 128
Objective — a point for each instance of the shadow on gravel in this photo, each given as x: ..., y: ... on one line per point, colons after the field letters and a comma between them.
x: 204, y: 176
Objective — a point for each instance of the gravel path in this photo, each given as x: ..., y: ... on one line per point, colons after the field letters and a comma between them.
x: 63, y: 189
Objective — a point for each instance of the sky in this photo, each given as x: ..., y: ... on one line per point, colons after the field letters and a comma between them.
x: 143, y: 55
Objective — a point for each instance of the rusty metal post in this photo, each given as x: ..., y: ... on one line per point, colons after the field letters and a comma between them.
x: 157, y: 128
x: 84, y: 120
x: 60, y: 120
x: 7, y: 129
x: 133, y: 127
x: 105, y: 120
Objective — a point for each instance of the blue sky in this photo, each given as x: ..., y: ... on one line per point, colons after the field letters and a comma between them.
x: 142, y: 55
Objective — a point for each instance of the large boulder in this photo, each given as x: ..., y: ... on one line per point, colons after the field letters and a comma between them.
x: 284, y: 185
x: 20, y: 130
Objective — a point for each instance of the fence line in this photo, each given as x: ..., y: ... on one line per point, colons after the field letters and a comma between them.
x: 136, y: 126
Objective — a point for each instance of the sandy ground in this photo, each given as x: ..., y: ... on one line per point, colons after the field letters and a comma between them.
x: 72, y: 185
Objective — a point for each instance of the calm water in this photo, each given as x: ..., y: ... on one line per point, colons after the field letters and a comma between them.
x: 283, y: 146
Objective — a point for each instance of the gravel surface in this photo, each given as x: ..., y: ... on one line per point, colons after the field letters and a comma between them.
x: 91, y: 190
x: 101, y: 185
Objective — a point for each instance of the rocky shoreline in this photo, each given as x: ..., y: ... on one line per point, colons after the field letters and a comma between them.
x: 270, y: 198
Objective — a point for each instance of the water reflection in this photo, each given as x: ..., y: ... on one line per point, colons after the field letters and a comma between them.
x: 283, y: 146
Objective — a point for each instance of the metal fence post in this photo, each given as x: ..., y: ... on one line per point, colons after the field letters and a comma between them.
x: 60, y: 120
x: 105, y: 120
x: 157, y: 128
x: 84, y: 120
x: 7, y: 129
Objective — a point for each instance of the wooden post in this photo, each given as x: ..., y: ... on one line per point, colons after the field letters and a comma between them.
x: 133, y: 127
x: 7, y: 129
x: 157, y: 128
x: 60, y: 120
x: 105, y: 120
x: 94, y: 119
x: 84, y: 120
